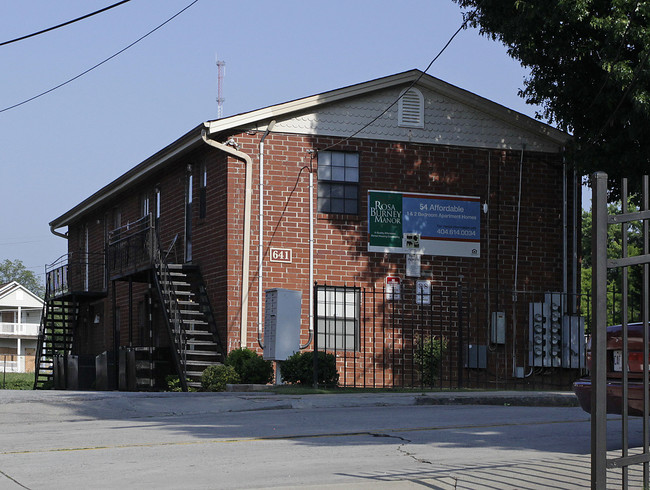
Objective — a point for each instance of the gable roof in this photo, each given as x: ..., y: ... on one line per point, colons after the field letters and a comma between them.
x: 10, y: 288
x: 259, y: 119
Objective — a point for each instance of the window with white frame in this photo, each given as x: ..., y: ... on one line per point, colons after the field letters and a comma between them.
x: 338, y: 317
x: 338, y: 182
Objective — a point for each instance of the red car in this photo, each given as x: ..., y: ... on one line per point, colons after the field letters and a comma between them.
x: 582, y: 387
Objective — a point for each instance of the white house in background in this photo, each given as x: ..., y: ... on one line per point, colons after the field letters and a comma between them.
x: 20, y: 317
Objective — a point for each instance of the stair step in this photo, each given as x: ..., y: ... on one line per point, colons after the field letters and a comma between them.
x: 204, y: 353
x: 191, y: 321
x: 191, y: 312
x: 187, y: 302
x: 200, y: 342
x: 174, y: 282
x: 198, y: 333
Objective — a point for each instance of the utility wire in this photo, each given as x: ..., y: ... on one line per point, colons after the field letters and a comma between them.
x: 413, y: 83
x: 64, y: 24
x: 100, y: 63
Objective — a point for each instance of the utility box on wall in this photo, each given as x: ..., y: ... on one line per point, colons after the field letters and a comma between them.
x: 281, y: 323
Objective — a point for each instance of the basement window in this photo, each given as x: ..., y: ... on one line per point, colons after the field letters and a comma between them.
x: 411, y: 109
x: 338, y: 182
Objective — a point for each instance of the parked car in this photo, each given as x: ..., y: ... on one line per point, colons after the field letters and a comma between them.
x: 582, y: 387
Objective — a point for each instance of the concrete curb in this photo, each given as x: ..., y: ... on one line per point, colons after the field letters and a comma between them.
x: 520, y: 399
x: 41, y: 406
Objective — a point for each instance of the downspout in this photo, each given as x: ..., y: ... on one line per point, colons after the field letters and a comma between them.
x: 311, y: 250
x: 565, y: 249
x: 247, y: 227
x: 514, y: 294
x: 574, y: 287
x: 260, y: 251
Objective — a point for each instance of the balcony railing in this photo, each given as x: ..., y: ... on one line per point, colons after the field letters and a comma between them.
x: 131, y: 247
x: 19, y: 329
x: 76, y: 272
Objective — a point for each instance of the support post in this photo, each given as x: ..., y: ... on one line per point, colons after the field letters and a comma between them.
x: 599, y: 332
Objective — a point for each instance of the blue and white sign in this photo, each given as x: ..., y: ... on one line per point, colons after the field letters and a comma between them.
x: 431, y: 224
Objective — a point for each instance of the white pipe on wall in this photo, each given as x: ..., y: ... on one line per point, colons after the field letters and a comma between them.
x: 260, y: 251
x: 247, y: 230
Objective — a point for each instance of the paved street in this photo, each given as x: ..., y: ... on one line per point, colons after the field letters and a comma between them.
x: 248, y: 440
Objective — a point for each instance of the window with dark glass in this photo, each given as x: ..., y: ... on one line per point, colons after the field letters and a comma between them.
x: 338, y: 317
x: 338, y: 182
x: 144, y: 205
x: 203, y: 192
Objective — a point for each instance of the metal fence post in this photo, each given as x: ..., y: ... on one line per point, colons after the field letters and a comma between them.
x: 460, y: 332
x: 599, y: 331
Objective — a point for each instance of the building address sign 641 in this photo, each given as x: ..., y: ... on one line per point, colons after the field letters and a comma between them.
x: 280, y: 255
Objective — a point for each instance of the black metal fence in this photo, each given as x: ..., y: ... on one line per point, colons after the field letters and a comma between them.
x: 629, y: 385
x: 423, y: 336
x: 131, y: 247
x: 75, y: 272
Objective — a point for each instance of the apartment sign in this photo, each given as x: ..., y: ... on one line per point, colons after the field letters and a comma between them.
x: 426, y: 224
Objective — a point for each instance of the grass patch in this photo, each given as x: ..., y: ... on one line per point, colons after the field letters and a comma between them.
x: 17, y: 381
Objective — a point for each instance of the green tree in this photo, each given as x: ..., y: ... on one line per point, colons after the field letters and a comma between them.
x: 14, y: 270
x: 614, y: 275
x: 589, y: 72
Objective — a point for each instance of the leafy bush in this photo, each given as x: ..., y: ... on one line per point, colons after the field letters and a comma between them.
x: 215, y: 378
x: 428, y: 356
x: 299, y: 368
x: 250, y: 366
x: 173, y: 383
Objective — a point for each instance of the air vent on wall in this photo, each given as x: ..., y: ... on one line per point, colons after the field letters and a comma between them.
x: 411, y: 109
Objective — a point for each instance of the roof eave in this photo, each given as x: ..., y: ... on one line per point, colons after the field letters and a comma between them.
x: 187, y: 142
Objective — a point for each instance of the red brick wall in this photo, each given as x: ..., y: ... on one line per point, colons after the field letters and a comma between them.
x: 341, y: 255
x: 341, y: 241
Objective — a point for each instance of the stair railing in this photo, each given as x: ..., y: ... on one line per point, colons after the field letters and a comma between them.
x: 39, y: 346
x: 168, y: 298
x: 206, y: 309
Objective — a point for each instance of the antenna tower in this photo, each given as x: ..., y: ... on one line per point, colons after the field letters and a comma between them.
x: 221, y: 72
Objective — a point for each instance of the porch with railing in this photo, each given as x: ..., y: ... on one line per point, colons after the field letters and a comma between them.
x: 131, y: 248
x: 76, y: 273
x: 19, y: 329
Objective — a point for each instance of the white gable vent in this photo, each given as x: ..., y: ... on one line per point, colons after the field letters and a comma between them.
x: 411, y: 109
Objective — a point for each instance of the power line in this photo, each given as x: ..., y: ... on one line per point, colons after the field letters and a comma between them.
x: 100, y: 63
x: 413, y: 83
x: 64, y: 24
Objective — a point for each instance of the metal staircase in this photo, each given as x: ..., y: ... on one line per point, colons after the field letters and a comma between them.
x: 196, y: 344
x: 55, y: 338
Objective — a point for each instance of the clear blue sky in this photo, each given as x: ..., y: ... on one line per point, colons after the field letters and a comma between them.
x: 57, y: 150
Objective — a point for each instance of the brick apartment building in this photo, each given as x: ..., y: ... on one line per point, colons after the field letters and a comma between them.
x: 413, y: 183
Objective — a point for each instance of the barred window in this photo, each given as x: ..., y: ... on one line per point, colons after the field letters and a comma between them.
x: 338, y: 182
x: 338, y: 317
